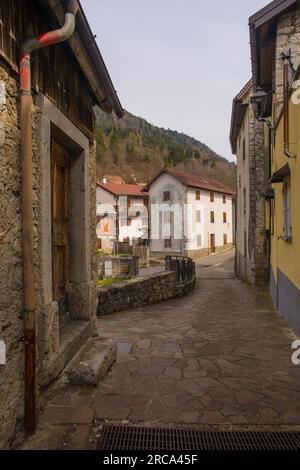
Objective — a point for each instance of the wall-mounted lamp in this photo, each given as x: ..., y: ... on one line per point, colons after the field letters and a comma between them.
x: 259, y: 101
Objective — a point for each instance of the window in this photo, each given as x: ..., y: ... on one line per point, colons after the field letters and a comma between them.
x: 224, y: 198
x: 244, y: 200
x: 287, y: 229
x: 224, y: 217
x: 166, y: 196
x: 168, y: 243
x: 106, y: 225
x: 212, y: 196
x: 197, y: 195
x: 199, y: 241
x: 244, y: 149
x: 106, y: 228
x: 224, y: 239
x: 198, y: 216
x: 129, y: 221
x: 212, y: 217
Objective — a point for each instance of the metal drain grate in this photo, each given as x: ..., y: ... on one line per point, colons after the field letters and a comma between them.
x: 115, y: 437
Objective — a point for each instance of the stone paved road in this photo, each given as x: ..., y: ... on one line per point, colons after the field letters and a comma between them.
x: 221, y: 356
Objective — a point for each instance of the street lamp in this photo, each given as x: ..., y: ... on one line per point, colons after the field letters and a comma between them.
x: 259, y: 101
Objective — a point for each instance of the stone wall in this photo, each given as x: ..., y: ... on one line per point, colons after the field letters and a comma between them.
x: 11, y: 255
x: 93, y: 235
x: 122, y: 248
x: 142, y: 291
x: 11, y: 268
x: 258, y: 184
x: 288, y: 37
x: 252, y: 258
x: 114, y: 266
x: 143, y: 253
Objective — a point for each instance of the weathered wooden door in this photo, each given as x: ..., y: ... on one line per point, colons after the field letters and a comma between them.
x: 60, y: 235
x: 212, y: 243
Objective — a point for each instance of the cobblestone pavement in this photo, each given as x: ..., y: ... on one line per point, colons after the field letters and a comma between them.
x: 221, y: 356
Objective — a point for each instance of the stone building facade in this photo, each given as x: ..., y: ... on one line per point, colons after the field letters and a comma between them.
x: 275, y: 55
x: 287, y: 39
x: 61, y: 119
x: 249, y: 144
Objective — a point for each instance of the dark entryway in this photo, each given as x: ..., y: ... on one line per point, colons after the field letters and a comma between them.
x: 60, y: 231
x: 212, y: 243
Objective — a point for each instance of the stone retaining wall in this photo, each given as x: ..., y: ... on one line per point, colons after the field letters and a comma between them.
x: 141, y: 291
x: 113, y: 266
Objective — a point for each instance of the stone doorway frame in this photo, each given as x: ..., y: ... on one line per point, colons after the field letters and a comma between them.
x: 54, y: 124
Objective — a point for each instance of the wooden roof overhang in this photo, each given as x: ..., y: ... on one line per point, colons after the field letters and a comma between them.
x: 263, y: 28
x: 239, y: 107
x: 85, y: 52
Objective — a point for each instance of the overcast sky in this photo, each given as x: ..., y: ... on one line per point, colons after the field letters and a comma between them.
x: 177, y: 63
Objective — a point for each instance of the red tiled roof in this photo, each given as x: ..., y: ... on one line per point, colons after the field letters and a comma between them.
x: 189, y: 179
x: 123, y: 189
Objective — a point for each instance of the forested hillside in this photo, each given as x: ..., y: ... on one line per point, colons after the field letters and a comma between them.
x: 137, y: 150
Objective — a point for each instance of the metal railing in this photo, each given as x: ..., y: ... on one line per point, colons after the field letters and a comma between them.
x: 183, y: 267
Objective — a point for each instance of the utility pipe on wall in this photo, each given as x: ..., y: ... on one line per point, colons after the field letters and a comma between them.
x: 47, y: 39
x: 286, y: 117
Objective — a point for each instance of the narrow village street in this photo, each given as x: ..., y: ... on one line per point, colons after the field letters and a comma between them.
x: 220, y: 356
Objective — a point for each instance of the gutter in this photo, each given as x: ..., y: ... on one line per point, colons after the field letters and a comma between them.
x: 47, y: 39
x: 286, y: 116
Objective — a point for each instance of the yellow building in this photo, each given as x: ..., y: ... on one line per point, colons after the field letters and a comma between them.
x: 275, y: 53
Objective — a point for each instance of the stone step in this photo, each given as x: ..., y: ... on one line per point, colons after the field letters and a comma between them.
x: 92, y: 362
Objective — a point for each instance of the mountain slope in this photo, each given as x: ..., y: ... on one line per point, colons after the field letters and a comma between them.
x: 136, y: 150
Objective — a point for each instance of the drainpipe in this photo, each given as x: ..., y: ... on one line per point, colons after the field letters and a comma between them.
x: 286, y: 118
x: 47, y: 39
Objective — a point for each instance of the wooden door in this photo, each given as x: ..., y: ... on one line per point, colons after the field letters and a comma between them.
x: 212, y: 243
x: 60, y: 236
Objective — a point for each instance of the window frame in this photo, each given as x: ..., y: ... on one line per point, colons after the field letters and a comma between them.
x: 166, y: 196
x: 244, y: 150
